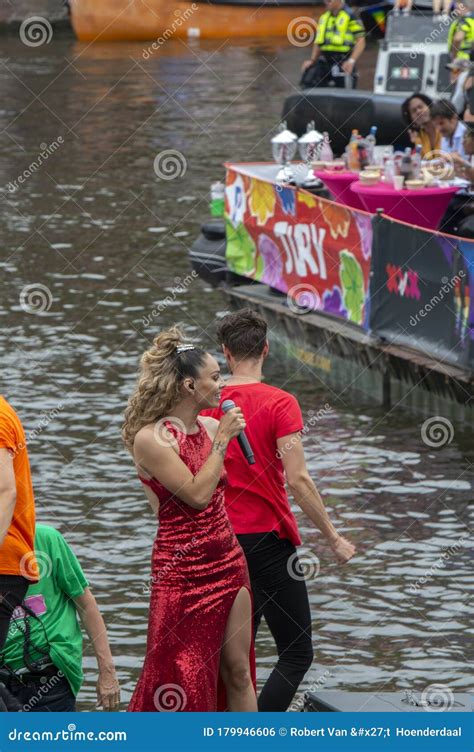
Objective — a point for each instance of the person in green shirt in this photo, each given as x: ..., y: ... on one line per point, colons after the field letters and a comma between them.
x: 41, y: 661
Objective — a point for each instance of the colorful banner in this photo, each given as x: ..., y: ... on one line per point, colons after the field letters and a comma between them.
x: 316, y: 251
x: 422, y: 290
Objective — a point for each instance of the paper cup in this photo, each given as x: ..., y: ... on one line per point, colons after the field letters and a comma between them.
x: 398, y: 181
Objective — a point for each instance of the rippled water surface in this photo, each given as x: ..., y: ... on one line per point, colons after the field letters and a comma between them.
x: 95, y: 226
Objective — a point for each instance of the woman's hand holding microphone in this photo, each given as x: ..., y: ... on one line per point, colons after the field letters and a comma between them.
x: 230, y: 425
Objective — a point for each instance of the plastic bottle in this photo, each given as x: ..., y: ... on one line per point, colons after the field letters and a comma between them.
x: 389, y: 170
x: 416, y: 162
x: 406, y: 166
x: 352, y: 154
x: 371, y: 143
x: 387, y: 154
x: 217, y: 199
x: 326, y: 151
x: 362, y: 154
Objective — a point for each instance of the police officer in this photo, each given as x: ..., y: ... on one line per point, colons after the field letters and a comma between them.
x: 461, y: 31
x: 339, y: 42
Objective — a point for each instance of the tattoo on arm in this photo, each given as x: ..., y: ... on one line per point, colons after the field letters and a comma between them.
x: 219, y: 447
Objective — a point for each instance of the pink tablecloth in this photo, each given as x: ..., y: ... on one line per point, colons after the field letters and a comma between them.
x: 339, y: 183
x: 424, y: 207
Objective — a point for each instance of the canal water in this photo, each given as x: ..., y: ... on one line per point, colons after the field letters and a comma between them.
x: 92, y: 242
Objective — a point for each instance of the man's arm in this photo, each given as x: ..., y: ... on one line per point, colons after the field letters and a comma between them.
x: 458, y: 39
x: 357, y: 50
x: 314, y: 57
x: 7, y: 492
x: 307, y: 496
x: 359, y: 47
x: 108, y: 691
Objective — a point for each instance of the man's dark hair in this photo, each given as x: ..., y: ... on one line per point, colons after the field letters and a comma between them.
x: 469, y: 130
x: 244, y: 333
x: 406, y: 106
x: 443, y: 108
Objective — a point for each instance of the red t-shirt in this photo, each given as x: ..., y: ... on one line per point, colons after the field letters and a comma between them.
x: 255, y: 495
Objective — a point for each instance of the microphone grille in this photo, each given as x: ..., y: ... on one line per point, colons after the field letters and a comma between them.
x: 227, y: 405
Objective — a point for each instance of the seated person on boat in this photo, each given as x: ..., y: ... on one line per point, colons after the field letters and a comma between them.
x: 452, y: 129
x: 421, y: 128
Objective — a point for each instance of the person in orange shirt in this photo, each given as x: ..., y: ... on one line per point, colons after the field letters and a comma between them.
x: 18, y: 566
x: 421, y: 128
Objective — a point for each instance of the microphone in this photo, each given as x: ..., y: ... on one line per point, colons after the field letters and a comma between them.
x: 241, y: 438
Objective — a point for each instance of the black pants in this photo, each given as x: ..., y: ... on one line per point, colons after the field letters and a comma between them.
x: 47, y: 692
x: 321, y: 73
x: 12, y: 591
x: 283, y: 601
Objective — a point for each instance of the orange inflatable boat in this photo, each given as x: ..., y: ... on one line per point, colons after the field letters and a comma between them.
x: 160, y: 20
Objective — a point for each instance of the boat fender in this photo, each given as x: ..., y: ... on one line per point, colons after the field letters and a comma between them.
x: 214, y: 229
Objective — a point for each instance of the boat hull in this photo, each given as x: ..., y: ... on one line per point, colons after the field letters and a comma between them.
x: 358, y: 365
x: 120, y: 20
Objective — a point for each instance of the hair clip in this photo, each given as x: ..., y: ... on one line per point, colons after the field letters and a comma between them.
x: 184, y: 348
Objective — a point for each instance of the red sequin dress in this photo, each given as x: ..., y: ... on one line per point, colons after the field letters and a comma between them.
x: 198, y: 569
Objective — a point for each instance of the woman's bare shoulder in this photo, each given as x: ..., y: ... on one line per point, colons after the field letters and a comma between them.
x: 210, y: 424
x: 143, y: 436
x: 154, y: 438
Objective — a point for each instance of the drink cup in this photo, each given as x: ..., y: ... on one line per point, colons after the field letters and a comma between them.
x: 398, y: 181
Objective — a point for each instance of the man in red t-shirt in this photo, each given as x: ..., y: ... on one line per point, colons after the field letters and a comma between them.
x: 258, y: 506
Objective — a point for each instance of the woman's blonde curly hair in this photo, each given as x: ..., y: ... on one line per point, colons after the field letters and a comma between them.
x: 162, y: 370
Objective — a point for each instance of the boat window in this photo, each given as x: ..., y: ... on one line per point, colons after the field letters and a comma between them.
x: 415, y: 29
x: 405, y: 71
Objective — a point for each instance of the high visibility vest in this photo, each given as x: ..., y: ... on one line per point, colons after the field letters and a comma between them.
x: 337, y: 33
x: 466, y: 25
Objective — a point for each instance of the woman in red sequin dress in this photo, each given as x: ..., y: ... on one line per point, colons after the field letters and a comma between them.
x: 199, y: 653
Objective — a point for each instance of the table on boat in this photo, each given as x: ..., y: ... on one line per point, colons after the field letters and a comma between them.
x: 339, y: 184
x: 424, y: 207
